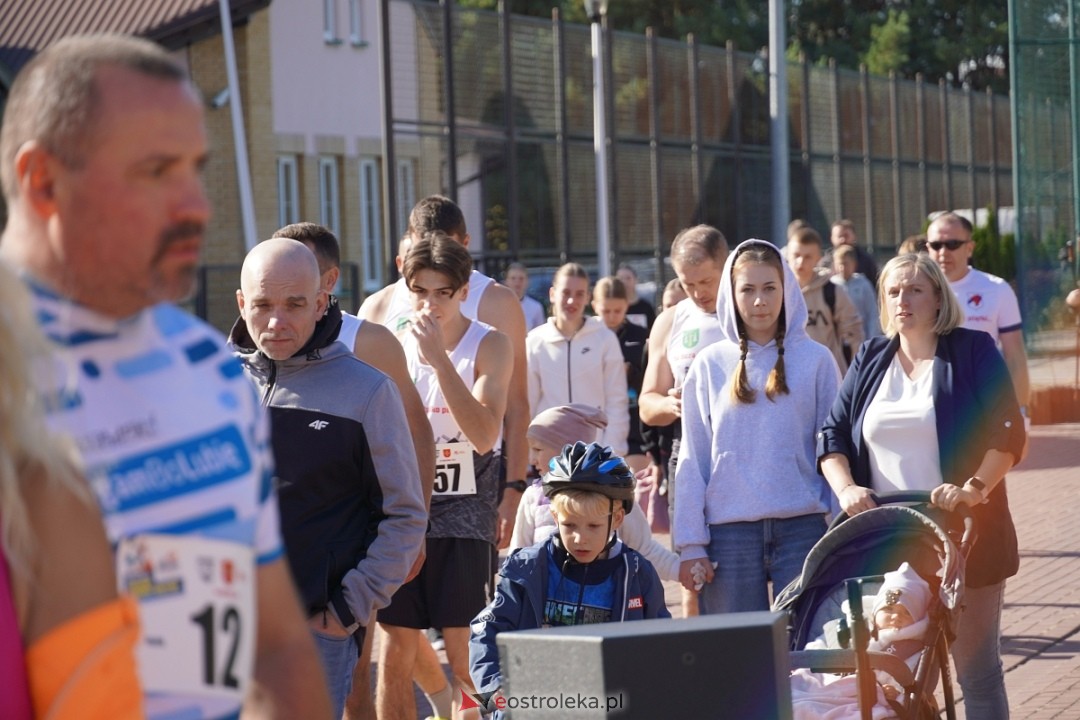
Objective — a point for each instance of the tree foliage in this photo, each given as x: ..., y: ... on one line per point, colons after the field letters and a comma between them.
x: 956, y: 40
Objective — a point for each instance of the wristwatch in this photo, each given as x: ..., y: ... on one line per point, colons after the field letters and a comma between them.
x: 519, y: 485
x: 978, y: 485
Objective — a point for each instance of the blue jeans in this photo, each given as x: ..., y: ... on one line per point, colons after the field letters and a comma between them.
x: 338, y: 656
x: 977, y: 654
x: 750, y: 554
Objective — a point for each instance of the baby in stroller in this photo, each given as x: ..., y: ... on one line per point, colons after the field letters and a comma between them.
x: 898, y: 621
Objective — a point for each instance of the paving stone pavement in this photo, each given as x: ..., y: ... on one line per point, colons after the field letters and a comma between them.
x: 1041, y: 619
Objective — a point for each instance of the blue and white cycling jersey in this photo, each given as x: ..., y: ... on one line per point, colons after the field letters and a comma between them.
x: 177, y: 447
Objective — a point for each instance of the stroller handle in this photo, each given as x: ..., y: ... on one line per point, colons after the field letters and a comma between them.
x: 922, y: 497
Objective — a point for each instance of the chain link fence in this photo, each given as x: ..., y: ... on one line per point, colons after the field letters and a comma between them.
x: 1045, y: 58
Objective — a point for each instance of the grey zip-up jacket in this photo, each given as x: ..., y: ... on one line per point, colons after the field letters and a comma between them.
x: 352, y: 511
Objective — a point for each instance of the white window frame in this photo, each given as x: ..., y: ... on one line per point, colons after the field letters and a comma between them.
x: 371, y: 239
x: 356, y: 23
x: 288, y: 180
x: 330, y: 22
x: 329, y: 202
x: 406, y: 190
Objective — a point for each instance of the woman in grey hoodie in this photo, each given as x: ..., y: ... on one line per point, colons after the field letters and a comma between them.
x: 750, y: 503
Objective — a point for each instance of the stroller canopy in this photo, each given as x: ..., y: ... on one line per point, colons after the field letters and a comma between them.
x: 873, y: 543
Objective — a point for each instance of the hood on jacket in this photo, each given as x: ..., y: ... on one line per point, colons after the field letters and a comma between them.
x: 794, y: 306
x: 326, y: 332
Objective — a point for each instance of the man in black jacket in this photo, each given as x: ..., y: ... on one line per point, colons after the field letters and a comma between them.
x: 352, y: 511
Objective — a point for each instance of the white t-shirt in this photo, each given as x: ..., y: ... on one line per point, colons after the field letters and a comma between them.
x: 989, y: 304
x: 900, y: 429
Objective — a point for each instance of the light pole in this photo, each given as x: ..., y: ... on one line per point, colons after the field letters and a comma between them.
x: 595, y: 10
x: 778, y: 123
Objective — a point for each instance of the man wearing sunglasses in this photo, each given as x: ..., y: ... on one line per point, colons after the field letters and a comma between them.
x: 989, y: 302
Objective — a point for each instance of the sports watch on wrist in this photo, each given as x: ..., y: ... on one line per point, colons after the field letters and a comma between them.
x: 978, y: 485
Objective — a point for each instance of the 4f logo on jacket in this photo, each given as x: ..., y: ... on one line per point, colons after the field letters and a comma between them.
x: 318, y: 424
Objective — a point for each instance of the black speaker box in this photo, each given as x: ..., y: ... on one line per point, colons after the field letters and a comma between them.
x: 731, y: 667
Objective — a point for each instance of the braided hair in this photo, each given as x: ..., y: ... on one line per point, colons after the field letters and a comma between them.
x: 776, y: 383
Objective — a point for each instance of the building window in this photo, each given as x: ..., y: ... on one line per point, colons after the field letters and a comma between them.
x: 356, y: 23
x: 371, y: 224
x: 288, y: 186
x: 406, y: 192
x: 330, y: 26
x: 329, y: 206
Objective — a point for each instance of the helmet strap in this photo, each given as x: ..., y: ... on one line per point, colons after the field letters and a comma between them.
x: 610, y: 522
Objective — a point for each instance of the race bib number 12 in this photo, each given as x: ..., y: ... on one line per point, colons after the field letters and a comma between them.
x: 454, y: 473
x: 197, y: 605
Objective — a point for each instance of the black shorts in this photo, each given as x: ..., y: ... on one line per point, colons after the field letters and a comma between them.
x: 454, y: 585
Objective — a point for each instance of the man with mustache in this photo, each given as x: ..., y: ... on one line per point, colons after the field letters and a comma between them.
x: 101, y: 159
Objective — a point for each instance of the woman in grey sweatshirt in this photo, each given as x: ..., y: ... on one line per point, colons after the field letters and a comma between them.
x: 750, y: 503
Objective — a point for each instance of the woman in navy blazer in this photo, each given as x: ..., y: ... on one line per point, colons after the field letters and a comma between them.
x: 930, y: 381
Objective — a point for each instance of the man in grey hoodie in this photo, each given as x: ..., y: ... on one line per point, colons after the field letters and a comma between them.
x: 352, y: 512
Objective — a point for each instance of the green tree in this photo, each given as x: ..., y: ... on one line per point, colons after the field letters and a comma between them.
x: 888, y: 45
x: 956, y: 40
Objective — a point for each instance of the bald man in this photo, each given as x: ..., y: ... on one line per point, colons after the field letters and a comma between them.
x: 352, y: 510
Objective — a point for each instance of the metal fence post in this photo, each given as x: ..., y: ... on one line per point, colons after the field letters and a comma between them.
x: 946, y: 148
x: 804, y: 123
x: 612, y: 145
x: 655, y: 159
x: 920, y: 119
x: 450, y: 128
x: 513, y: 213
x: 736, y: 135
x: 868, y: 180
x: 898, y: 188
x: 995, y: 192
x: 970, y: 105
x: 389, y: 168
x: 561, y: 140
x: 695, y: 129
x: 838, y: 161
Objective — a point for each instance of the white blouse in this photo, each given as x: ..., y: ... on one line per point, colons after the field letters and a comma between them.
x: 901, y: 433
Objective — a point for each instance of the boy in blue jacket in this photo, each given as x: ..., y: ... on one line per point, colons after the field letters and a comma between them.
x: 581, y: 575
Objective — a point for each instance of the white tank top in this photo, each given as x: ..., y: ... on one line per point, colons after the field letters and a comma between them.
x: 400, y: 309
x: 350, y: 326
x: 463, y: 356
x: 692, y: 330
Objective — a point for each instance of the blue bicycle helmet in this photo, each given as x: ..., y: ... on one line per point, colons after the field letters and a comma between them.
x: 593, y: 468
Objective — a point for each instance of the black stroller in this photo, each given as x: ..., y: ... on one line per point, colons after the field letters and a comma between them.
x: 848, y: 563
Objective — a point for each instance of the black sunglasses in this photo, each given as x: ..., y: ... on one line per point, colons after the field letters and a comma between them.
x: 952, y: 245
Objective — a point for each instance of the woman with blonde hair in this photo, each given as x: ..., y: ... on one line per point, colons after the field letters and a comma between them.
x: 66, y: 639
x: 749, y: 503
x: 930, y: 406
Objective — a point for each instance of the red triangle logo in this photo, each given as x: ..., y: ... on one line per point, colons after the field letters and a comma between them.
x: 468, y: 702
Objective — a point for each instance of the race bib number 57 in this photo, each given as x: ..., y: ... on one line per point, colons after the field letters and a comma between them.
x: 197, y: 605
x: 454, y: 473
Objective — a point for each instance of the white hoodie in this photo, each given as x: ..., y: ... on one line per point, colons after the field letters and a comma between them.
x: 586, y: 368
x: 744, y: 462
